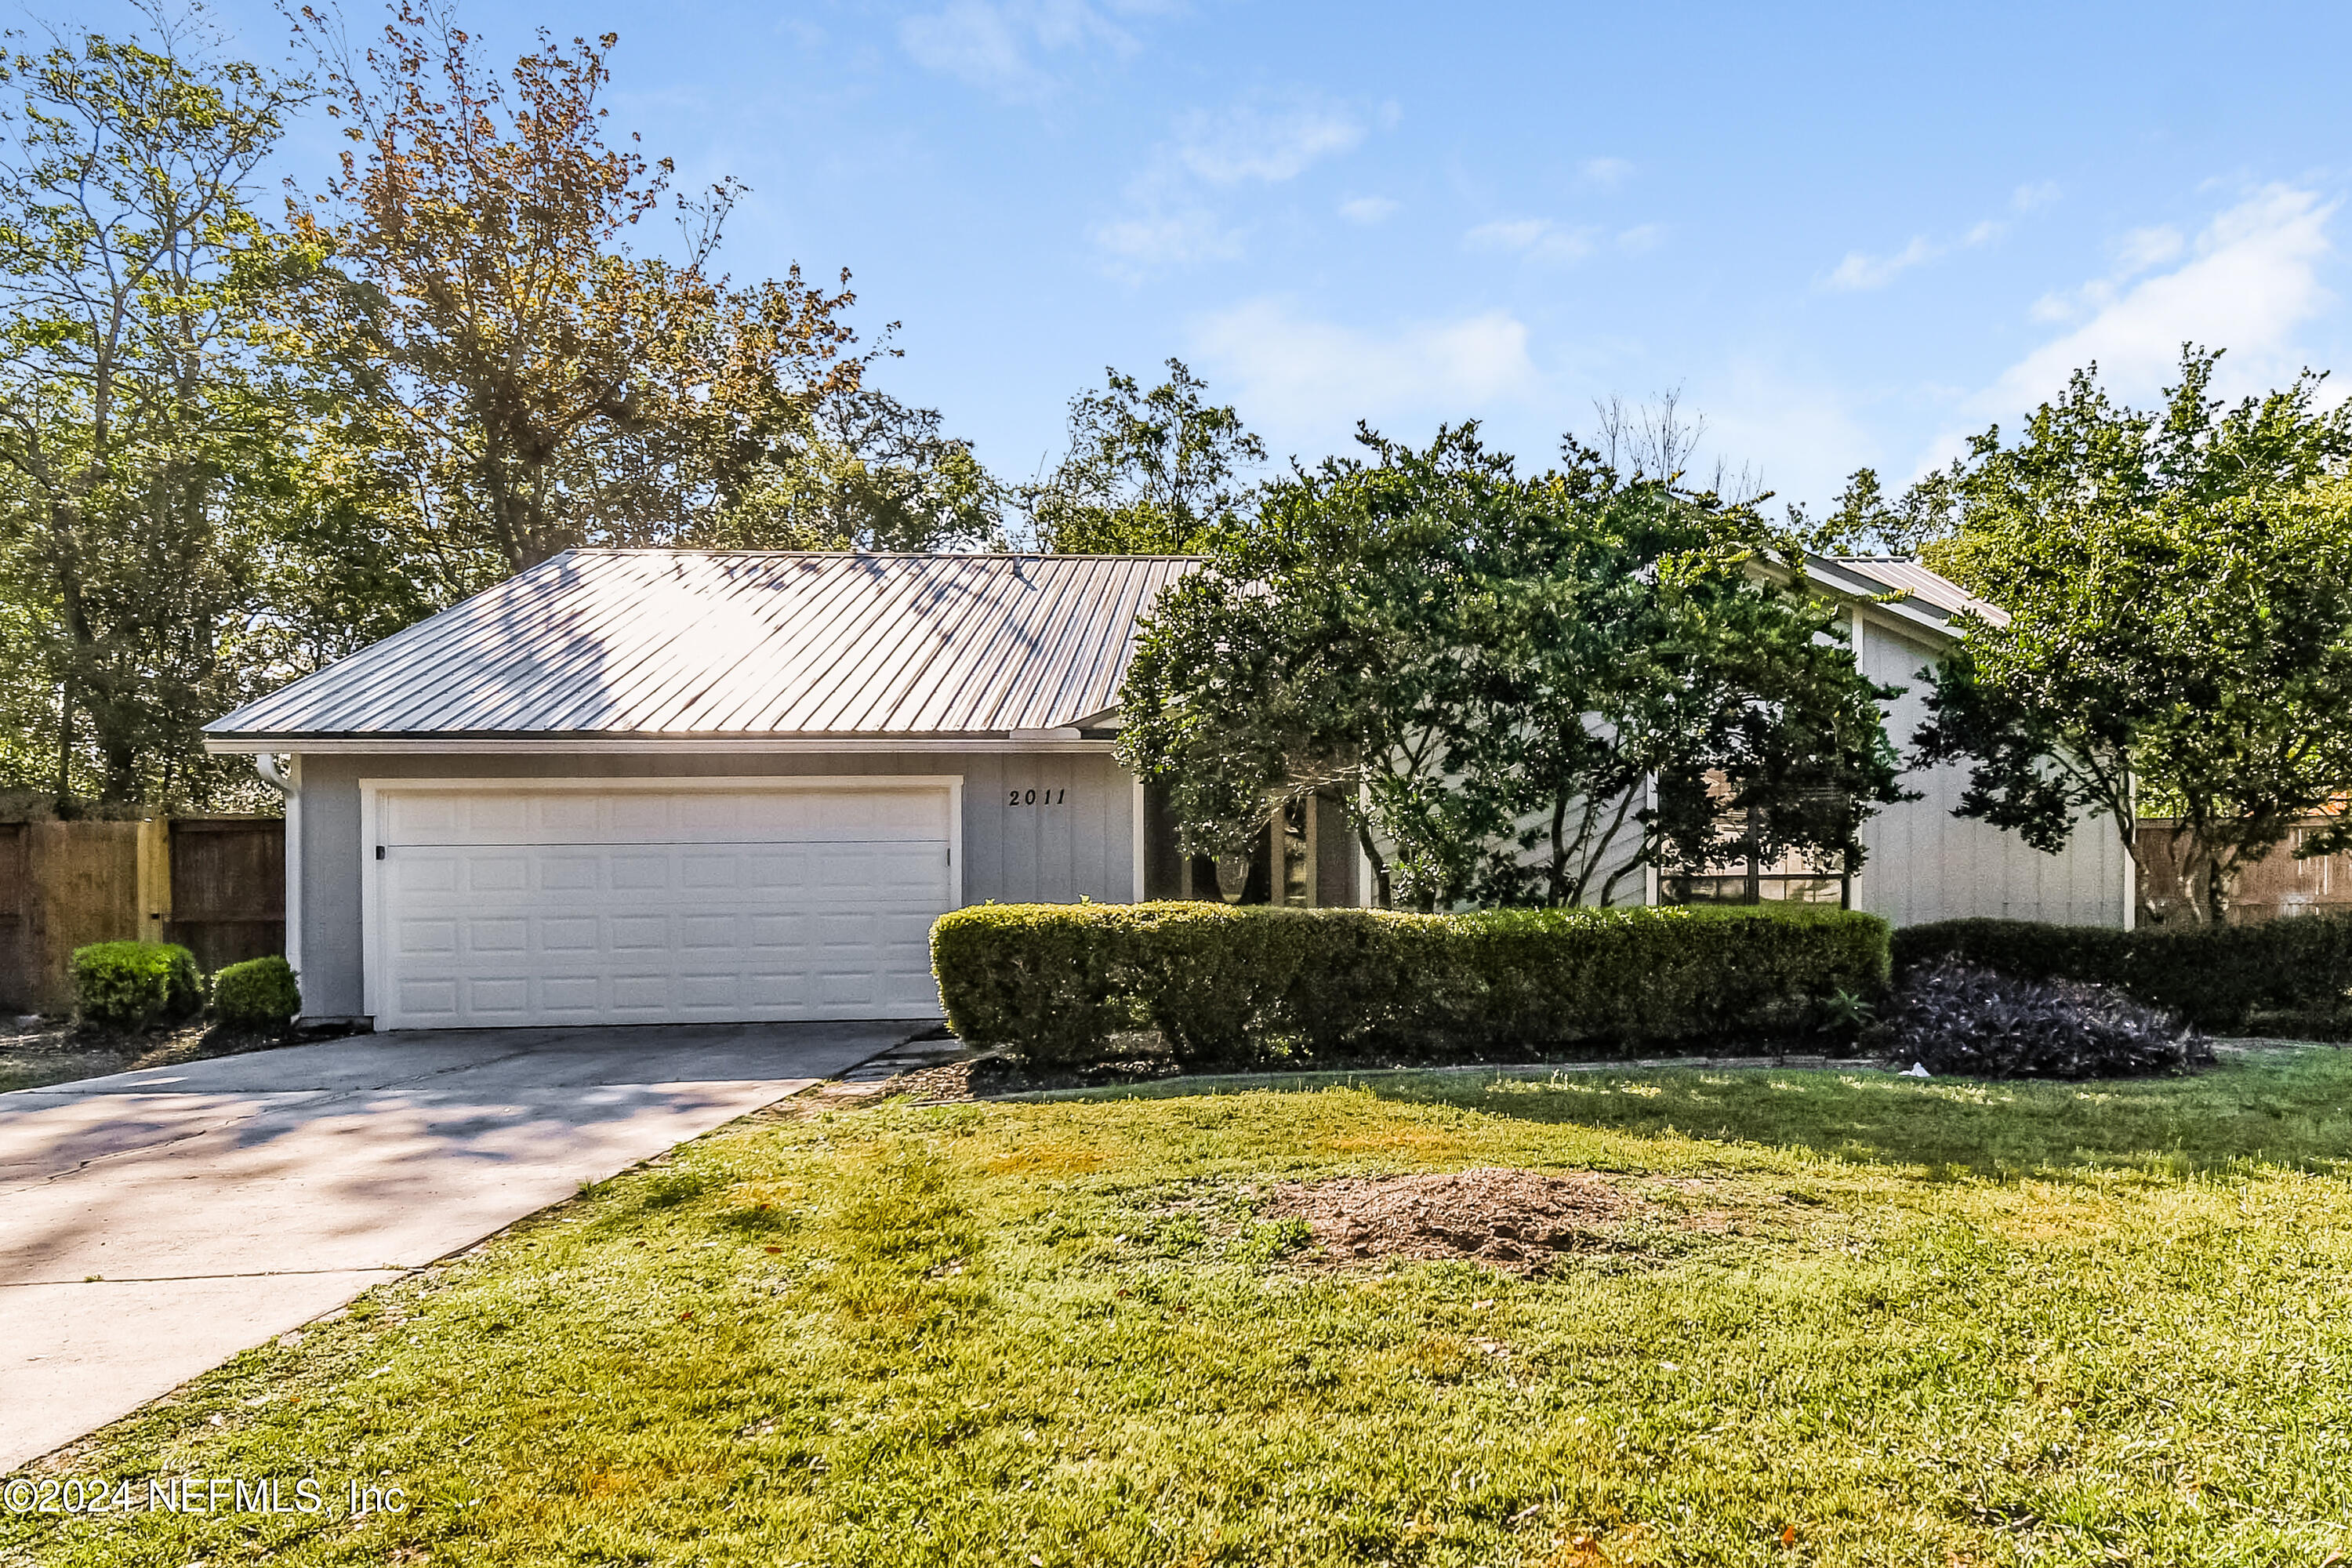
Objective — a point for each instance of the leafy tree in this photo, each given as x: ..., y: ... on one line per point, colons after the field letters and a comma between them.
x: 1490, y: 673
x: 1147, y: 473
x: 536, y: 384
x: 2178, y: 585
x: 141, y: 407
x: 867, y: 472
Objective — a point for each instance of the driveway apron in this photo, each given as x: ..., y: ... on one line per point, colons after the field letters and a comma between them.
x: 153, y: 1223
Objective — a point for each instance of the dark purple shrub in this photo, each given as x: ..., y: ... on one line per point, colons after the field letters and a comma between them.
x: 1954, y: 1018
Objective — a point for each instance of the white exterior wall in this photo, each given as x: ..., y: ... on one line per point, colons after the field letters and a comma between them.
x: 1082, y: 846
x: 1924, y: 864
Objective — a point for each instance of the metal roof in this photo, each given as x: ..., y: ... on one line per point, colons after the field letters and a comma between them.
x: 1905, y: 576
x: 726, y: 643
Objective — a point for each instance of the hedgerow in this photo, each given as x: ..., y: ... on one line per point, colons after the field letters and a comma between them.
x: 2218, y: 977
x: 1053, y: 982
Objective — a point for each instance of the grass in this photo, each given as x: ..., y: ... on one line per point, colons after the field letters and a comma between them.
x: 1935, y: 1323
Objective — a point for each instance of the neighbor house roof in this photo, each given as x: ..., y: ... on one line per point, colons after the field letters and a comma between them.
x: 660, y: 643
x: 1917, y: 586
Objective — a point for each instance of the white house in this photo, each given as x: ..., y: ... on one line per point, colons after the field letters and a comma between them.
x: 669, y: 786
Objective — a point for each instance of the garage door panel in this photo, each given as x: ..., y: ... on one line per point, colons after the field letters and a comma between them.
x: 559, y: 934
x: 639, y: 870
x: 706, y: 990
x: 426, y: 938
x: 432, y: 999
x: 640, y: 934
x: 499, y: 936
x: 571, y: 993
x: 706, y: 871
x: 828, y: 917
x: 641, y: 993
x: 568, y: 870
x: 498, y: 996
x: 709, y: 933
x: 498, y: 872
x: 425, y: 871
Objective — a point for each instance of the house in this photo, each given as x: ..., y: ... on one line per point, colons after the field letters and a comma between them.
x: 675, y: 786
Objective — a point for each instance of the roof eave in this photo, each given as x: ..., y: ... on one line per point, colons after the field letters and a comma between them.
x: 229, y: 744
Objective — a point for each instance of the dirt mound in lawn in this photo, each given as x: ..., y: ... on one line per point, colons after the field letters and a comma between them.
x: 1518, y: 1220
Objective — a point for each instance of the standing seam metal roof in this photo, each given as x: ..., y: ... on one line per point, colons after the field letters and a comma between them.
x: 659, y: 642
x: 1904, y: 576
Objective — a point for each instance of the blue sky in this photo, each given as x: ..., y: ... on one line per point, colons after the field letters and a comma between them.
x: 1849, y: 235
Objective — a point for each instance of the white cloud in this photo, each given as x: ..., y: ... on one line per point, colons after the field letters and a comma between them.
x: 1249, y: 142
x: 1537, y: 238
x: 2251, y: 280
x: 2027, y: 198
x: 1605, y: 173
x: 1307, y: 381
x: 1640, y: 237
x: 1862, y: 271
x: 2134, y: 253
x: 995, y: 44
x: 1152, y: 240
x: 2145, y: 247
x: 1171, y: 220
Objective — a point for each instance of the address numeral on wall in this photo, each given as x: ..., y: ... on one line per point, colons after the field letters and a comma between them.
x: 1035, y: 796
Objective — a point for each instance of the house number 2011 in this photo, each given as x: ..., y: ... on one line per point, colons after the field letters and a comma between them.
x: 1035, y: 796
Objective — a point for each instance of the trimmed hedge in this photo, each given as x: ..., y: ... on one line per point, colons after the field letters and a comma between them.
x: 128, y: 984
x: 2216, y: 977
x: 259, y: 994
x: 1052, y: 982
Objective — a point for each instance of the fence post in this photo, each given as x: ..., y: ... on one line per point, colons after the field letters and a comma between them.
x: 154, y: 877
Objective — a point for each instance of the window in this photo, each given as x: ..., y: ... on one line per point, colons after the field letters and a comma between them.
x: 1793, y: 877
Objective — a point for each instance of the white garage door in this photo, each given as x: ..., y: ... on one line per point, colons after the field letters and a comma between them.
x: 601, y: 903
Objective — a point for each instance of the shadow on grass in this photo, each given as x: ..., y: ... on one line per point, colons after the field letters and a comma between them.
x: 2280, y: 1106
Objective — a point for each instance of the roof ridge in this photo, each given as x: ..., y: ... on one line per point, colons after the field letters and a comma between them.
x: 884, y: 554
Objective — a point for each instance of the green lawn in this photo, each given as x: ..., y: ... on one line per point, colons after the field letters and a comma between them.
x: 1858, y: 1318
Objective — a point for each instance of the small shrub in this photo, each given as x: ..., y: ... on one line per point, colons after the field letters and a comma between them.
x: 1051, y: 981
x: 130, y: 985
x: 1956, y: 1018
x: 259, y: 994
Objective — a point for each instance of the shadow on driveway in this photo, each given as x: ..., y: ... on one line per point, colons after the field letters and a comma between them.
x: 153, y: 1223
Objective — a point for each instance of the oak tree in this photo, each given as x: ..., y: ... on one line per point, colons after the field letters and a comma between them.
x: 2177, y: 643
x: 1521, y: 691
x: 1155, y: 472
x: 537, y: 381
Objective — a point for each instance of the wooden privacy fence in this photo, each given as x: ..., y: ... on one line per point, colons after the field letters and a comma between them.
x: 2277, y: 886
x: 216, y: 885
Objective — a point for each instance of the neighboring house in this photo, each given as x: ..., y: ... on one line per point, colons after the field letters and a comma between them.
x: 670, y: 786
x: 1924, y: 863
x: 2280, y: 885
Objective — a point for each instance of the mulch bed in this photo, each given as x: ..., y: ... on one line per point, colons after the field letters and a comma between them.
x: 1519, y: 1221
x: 38, y: 1051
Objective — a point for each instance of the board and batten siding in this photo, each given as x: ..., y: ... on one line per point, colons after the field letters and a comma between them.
x: 1924, y: 864
x: 1077, y: 843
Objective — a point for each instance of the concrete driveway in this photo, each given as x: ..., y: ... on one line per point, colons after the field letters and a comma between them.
x: 153, y: 1223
